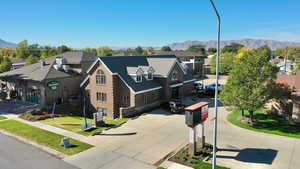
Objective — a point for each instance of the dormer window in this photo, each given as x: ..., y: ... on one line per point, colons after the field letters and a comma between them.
x: 139, y: 75
x: 175, y: 76
x: 138, y: 78
x: 149, y: 76
x: 150, y: 72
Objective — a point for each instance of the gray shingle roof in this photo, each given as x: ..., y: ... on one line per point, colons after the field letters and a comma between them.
x: 120, y: 65
x: 37, y: 72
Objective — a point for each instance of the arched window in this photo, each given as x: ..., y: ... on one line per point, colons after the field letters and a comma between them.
x: 175, y: 76
x: 100, y: 77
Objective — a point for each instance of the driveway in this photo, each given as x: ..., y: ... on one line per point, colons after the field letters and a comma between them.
x: 18, y: 155
x: 142, y: 142
x: 138, y: 144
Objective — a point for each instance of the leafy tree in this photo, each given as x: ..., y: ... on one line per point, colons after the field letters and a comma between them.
x: 246, y: 88
x: 166, y: 49
x: 63, y: 49
x: 197, y: 48
x: 5, y: 65
x: 90, y: 50
x: 3, y: 95
x: 242, y: 52
x: 280, y: 52
x: 139, y: 50
x: 226, y: 63
x: 31, y: 60
x: 7, y: 51
x: 266, y: 51
x: 149, y: 51
x: 293, y: 52
x: 232, y: 48
x: 48, y: 51
x: 212, y: 50
x: 104, y: 51
x: 34, y: 50
x: 21, y: 50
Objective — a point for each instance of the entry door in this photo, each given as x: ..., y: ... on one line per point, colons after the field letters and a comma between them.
x: 175, y: 92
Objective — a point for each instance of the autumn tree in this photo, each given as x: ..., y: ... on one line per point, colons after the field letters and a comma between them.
x: 104, y: 51
x: 232, y: 48
x: 246, y: 88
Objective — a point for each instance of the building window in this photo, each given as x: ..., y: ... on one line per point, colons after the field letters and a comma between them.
x: 125, y: 100
x: 145, y: 99
x: 150, y: 76
x: 175, y: 75
x: 102, y: 110
x: 100, y: 77
x: 101, y: 96
x: 138, y: 78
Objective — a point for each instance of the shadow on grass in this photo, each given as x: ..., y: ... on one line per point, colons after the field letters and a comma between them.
x: 276, y: 123
x: 252, y: 155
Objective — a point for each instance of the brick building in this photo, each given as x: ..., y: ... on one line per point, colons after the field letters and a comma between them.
x: 120, y: 86
x: 55, y: 79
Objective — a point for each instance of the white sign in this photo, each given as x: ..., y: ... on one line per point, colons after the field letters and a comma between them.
x: 205, y: 108
x: 200, y: 130
x: 99, y: 117
x: 192, y: 134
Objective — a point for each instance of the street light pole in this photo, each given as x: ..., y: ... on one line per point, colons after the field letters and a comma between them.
x: 214, y: 163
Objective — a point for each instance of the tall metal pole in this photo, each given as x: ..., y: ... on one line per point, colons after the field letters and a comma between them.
x: 214, y: 163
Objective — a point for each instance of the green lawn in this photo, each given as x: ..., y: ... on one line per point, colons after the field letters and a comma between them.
x: 74, y: 123
x: 202, y: 165
x: 2, y: 118
x: 266, y: 123
x: 42, y: 137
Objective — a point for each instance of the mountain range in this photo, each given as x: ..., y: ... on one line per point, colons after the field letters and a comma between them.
x: 5, y: 43
x: 250, y: 43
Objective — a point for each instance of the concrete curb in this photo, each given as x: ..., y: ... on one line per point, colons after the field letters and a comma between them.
x: 50, y: 151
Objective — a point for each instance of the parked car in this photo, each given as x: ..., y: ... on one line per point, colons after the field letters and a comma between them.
x: 198, y: 85
x: 176, y: 106
x: 210, y: 89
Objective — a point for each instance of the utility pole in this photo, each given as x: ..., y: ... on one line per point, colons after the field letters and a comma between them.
x: 285, y: 58
x: 214, y: 163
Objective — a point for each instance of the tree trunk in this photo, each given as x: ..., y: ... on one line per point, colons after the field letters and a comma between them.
x: 251, y: 116
x: 243, y: 113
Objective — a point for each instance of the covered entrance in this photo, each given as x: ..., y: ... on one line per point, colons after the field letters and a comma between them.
x: 33, y: 96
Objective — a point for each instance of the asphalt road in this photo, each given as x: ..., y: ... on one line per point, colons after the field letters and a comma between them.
x: 15, y: 154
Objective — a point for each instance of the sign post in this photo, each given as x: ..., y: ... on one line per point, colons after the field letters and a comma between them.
x: 195, y: 115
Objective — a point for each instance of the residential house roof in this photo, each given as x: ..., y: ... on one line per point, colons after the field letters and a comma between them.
x: 126, y: 65
x: 39, y: 72
x: 292, y: 80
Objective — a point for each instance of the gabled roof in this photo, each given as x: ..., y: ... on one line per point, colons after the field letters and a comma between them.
x: 37, y: 72
x: 123, y: 66
x: 34, y: 72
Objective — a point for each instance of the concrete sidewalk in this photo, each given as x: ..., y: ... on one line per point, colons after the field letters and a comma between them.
x: 51, y: 129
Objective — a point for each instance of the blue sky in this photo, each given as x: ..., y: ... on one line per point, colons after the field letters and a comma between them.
x: 128, y: 23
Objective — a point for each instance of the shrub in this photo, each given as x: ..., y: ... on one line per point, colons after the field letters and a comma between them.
x: 37, y: 114
x: 3, y: 95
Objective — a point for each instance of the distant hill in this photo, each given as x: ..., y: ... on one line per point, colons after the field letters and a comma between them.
x: 250, y: 43
x: 4, y: 43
